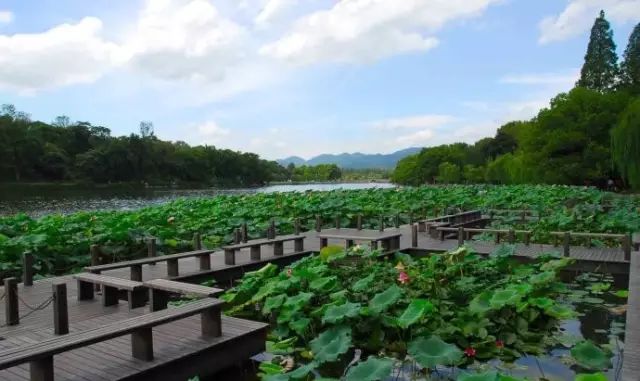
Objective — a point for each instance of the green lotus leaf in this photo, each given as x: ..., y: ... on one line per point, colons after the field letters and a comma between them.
x: 591, y: 377
x: 383, y: 300
x: 560, y: 312
x: 363, y: 283
x: 298, y: 301
x: 481, y: 303
x: 325, y: 284
x: 272, y: 303
x: 414, y: 312
x: 330, y: 344
x: 331, y: 252
x: 300, y: 325
x: 270, y: 368
x: 301, y: 372
x: 543, y: 278
x: 486, y: 376
x: 336, y: 314
x: 522, y: 289
x: 432, y: 351
x: 338, y: 295
x: 542, y: 303
x: 507, y: 297
x: 374, y: 369
x: 590, y: 356
x: 622, y: 293
x: 556, y: 264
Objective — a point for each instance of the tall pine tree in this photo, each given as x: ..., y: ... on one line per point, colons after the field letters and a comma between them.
x: 630, y: 68
x: 600, y: 69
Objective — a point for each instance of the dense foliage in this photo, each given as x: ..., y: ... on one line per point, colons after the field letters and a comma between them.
x: 65, y: 151
x: 61, y: 242
x: 587, y: 136
x: 445, y: 310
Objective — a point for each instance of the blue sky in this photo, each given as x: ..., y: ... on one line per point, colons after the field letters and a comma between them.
x: 298, y: 77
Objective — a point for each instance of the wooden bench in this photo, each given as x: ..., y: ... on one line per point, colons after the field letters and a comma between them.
x: 40, y: 355
x: 256, y: 247
x: 135, y: 265
x: 136, y: 292
x: 159, y: 290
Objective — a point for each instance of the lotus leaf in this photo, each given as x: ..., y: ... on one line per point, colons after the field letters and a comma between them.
x: 272, y: 303
x: 373, y: 369
x: 502, y: 298
x: 414, y: 312
x: 336, y: 314
x: 363, y: 283
x: 559, y: 311
x: 432, y: 351
x: 481, y: 303
x: 383, y: 300
x: 330, y: 344
x: 591, y: 377
x: 325, y: 284
x: 590, y: 356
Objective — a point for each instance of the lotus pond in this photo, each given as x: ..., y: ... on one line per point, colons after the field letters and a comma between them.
x: 453, y: 316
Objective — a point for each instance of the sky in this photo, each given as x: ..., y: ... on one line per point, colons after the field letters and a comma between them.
x: 298, y: 77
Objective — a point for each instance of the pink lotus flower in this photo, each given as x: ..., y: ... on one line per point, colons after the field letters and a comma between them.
x: 499, y: 344
x: 403, y: 277
x: 470, y: 352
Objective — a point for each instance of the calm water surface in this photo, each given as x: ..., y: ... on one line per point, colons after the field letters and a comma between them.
x: 39, y: 200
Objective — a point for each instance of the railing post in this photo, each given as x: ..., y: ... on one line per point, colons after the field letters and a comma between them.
x: 273, y: 228
x: 381, y: 223
x: 414, y: 235
x: 497, y: 241
x: 626, y: 246
x: 237, y: 238
x: 566, y: 243
x: 197, y: 241
x: 318, y: 223
x: 11, y: 301
x: 524, y: 217
x: 152, y: 249
x: 411, y: 218
x: 512, y: 236
x: 60, y: 311
x: 527, y: 238
x: 359, y: 222
x: 27, y: 269
x: 460, y: 236
x: 491, y: 215
x: 296, y: 226
x: 396, y: 221
x: 245, y: 233
x: 338, y: 222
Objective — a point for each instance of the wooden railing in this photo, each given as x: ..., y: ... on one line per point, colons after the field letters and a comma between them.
x: 465, y: 234
x: 624, y: 239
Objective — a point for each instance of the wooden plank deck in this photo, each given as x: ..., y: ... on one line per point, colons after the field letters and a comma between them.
x: 631, y: 356
x: 181, y: 340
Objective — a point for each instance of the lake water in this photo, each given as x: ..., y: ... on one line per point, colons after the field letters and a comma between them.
x: 38, y: 200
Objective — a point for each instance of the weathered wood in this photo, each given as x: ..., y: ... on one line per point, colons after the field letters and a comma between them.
x: 359, y: 222
x: 95, y: 259
x: 348, y: 243
x: 296, y: 226
x: 381, y: 223
x: 323, y: 242
x: 527, y: 238
x: 146, y: 261
x: 278, y: 248
x: 237, y: 236
x: 27, y: 269
x: 414, y: 235
x: 566, y: 244
x: 11, y: 301
x: 338, y: 222
x: 256, y: 252
x: 136, y: 273
x: 229, y: 256
x: 204, y: 261
x: 152, y: 250
x: 41, y: 369
x: 211, y: 321
x: 109, y: 296
x: 460, y: 236
x: 173, y: 268
x: 274, y: 232
x: 182, y: 288
x: 627, y: 246
x: 511, y: 237
x: 158, y: 299
x: 197, y: 241
x: 60, y: 309
x: 396, y: 221
x: 245, y: 233
x: 298, y: 245
x: 142, y: 344
x: 318, y: 223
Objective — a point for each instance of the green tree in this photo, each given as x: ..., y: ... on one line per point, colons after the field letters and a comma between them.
x: 449, y: 173
x: 600, y: 68
x: 630, y: 67
x: 625, y: 142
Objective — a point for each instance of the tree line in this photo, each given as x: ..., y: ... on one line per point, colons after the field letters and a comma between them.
x: 79, y: 152
x: 588, y: 136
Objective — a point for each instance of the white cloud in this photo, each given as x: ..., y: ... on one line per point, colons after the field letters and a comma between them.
x: 211, y: 133
x: 273, y: 11
x: 355, y: 31
x: 559, y: 79
x: 414, y: 122
x: 64, y: 55
x: 185, y: 40
x: 6, y: 17
x: 415, y: 139
x: 578, y: 17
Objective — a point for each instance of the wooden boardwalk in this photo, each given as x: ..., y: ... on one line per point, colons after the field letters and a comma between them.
x: 181, y: 341
x: 631, y: 357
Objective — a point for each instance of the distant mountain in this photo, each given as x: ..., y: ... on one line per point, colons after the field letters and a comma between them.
x: 354, y: 160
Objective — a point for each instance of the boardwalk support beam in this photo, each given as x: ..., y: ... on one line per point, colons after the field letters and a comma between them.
x: 11, y: 301
x: 414, y: 235
x: 27, y: 269
x: 460, y: 236
x: 566, y: 243
x: 60, y: 310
